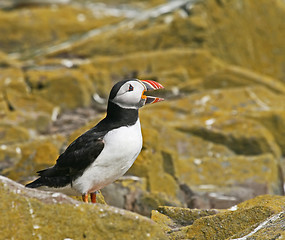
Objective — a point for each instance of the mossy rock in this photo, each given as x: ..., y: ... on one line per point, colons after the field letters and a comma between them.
x: 271, y: 228
x: 50, y: 24
x: 262, y: 173
x: 4, y: 106
x: 273, y: 120
x: 65, y: 88
x: 150, y: 36
x: 174, y: 220
x: 232, y: 107
x: 124, y: 192
x: 184, y: 216
x: 234, y: 76
x: 173, y: 63
x: 230, y: 101
x: 131, y: 193
x: 181, y: 223
x: 29, y: 103
x: 35, y: 155
x: 228, y: 21
x: 9, y: 156
x: 6, y: 61
x: 31, y: 213
x: 181, y: 144
x: 242, y: 136
x: 12, y: 78
x: 11, y: 134
x: 224, y: 225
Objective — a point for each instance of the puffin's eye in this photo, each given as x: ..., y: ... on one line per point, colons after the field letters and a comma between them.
x: 131, y: 88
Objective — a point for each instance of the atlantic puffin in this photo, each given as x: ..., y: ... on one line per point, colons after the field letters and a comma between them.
x: 105, y: 152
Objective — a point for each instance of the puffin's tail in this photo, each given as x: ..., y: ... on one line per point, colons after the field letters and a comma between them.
x: 35, y: 184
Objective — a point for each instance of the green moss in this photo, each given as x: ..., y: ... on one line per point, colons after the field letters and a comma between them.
x: 26, y: 29
x: 185, y: 216
x: 224, y: 225
x: 239, y: 37
x: 35, y: 155
x: 184, y: 223
x: 29, y: 217
x: 10, y: 134
x: 262, y: 170
x: 52, y: 86
x: 272, y: 228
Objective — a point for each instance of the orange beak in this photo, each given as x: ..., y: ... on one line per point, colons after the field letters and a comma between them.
x: 150, y: 86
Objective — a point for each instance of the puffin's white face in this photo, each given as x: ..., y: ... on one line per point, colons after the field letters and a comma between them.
x: 130, y: 95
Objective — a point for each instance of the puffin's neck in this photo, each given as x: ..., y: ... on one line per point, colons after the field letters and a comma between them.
x: 121, y: 115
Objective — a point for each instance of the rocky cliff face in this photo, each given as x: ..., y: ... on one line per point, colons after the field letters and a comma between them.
x: 216, y: 141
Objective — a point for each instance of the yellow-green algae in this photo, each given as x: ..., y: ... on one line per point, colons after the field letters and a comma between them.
x: 51, y: 85
x: 175, y: 221
x: 25, y: 217
x: 224, y: 225
x: 150, y: 35
x: 34, y: 156
x: 229, y: 171
x: 185, y: 216
x: 13, y: 133
x: 181, y: 223
x: 30, y: 28
x: 271, y: 228
x: 154, y: 63
x: 240, y: 37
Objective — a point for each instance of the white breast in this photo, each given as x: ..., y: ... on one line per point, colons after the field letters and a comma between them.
x: 122, y: 146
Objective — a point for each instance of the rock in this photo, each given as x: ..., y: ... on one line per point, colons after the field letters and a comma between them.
x: 125, y: 192
x: 272, y: 227
x: 12, y: 79
x: 154, y: 30
x: 159, y: 65
x: 204, y: 224
x: 260, y: 173
x: 241, y: 135
x: 11, y: 134
x: 45, y: 217
x: 65, y: 88
x: 20, y: 106
x: 9, y: 156
x: 6, y: 61
x: 45, y: 31
x: 218, y: 197
x: 181, y: 216
x: 228, y: 21
x: 234, y: 76
x: 131, y: 193
x: 216, y: 116
x: 24, y: 3
x: 34, y: 156
x: 4, y: 107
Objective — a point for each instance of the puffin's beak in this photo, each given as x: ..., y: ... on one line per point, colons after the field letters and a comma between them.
x: 150, y: 86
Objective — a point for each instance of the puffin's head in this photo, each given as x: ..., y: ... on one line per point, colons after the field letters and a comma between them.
x: 130, y: 93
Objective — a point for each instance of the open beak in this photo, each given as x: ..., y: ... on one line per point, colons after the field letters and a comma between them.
x: 150, y: 86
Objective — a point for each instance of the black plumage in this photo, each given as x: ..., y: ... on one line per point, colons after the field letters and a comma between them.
x: 82, y: 152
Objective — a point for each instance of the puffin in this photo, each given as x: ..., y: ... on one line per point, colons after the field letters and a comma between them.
x: 105, y: 152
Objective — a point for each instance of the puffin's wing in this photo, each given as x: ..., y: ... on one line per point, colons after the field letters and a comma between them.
x: 71, y: 163
x: 82, y: 152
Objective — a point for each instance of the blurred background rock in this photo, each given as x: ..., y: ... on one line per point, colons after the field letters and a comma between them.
x: 219, y: 137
